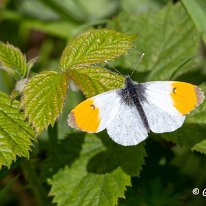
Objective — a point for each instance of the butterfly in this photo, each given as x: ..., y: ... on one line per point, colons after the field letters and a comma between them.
x: 130, y: 113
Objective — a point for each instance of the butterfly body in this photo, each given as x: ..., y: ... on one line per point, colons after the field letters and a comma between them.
x: 130, y: 113
x: 133, y: 95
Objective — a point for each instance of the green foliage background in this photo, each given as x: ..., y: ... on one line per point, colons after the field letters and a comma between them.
x: 67, y: 167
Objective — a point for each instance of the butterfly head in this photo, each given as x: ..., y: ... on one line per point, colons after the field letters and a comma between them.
x: 128, y: 81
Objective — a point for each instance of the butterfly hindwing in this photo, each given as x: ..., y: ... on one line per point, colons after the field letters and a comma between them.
x: 161, y: 121
x: 126, y: 127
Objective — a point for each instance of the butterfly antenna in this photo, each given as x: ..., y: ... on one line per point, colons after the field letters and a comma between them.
x: 138, y: 62
x: 118, y: 72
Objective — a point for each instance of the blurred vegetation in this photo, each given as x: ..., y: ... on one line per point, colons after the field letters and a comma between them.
x: 71, y: 168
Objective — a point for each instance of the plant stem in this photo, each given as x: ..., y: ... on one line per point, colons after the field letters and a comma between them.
x: 36, y: 186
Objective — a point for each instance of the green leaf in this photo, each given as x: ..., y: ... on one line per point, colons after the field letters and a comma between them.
x: 168, y: 39
x: 140, y: 6
x: 157, y: 192
x: 60, y: 29
x: 95, y: 80
x: 198, y: 115
x: 130, y: 159
x: 97, y: 9
x: 13, y: 61
x: 34, y: 9
x: 43, y: 98
x: 190, y: 164
x: 188, y: 135
x: 16, y: 133
x: 76, y: 186
x: 95, y: 46
x: 197, y: 11
x: 63, y: 153
x: 200, y: 147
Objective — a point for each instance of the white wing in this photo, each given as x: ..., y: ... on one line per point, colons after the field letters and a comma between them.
x: 161, y: 114
x: 126, y: 127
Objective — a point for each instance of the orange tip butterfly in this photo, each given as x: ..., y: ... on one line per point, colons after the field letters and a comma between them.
x: 129, y: 114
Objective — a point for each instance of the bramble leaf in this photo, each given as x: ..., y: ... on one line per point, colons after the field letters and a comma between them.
x: 95, y: 46
x: 43, y: 98
x: 16, y: 134
x: 95, y: 80
x: 64, y: 153
x: 198, y: 117
x: 200, y: 147
x: 13, y: 61
x: 142, y: 6
x: 76, y: 186
x: 199, y: 114
x: 188, y: 135
x: 129, y: 159
x: 168, y: 39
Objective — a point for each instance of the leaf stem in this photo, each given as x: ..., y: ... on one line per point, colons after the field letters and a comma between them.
x: 36, y: 186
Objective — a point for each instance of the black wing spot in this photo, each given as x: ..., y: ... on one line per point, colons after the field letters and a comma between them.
x: 174, y: 90
x: 92, y: 106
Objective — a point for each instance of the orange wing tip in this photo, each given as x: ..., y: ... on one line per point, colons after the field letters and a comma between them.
x: 186, y: 97
x: 85, y: 117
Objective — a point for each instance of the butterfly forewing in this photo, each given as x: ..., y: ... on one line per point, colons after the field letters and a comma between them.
x: 94, y: 114
x: 167, y: 102
x: 127, y: 127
